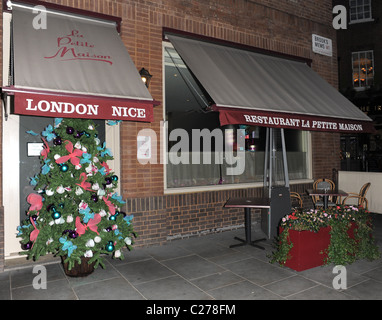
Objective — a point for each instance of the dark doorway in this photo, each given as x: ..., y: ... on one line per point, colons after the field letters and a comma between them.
x: 30, y: 164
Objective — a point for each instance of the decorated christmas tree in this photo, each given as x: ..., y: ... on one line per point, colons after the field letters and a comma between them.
x: 75, y: 211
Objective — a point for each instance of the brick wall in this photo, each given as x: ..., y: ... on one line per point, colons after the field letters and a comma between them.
x: 284, y: 26
x: 325, y: 154
x: 159, y: 219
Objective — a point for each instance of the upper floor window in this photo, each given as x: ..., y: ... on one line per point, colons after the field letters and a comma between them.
x: 360, y: 10
x: 363, y: 69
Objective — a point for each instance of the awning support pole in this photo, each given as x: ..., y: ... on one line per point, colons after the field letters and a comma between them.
x: 285, y: 162
x: 266, y: 165
x: 270, y: 159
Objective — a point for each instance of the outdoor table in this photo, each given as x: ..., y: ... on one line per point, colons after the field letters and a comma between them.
x: 325, y: 194
x: 247, y: 204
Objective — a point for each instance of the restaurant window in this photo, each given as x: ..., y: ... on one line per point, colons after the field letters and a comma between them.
x: 186, y: 112
x: 363, y: 69
x: 360, y: 10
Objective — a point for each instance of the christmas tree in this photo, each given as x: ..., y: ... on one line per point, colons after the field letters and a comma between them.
x: 75, y: 211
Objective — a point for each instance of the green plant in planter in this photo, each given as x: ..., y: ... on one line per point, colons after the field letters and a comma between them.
x: 343, y: 248
x: 283, y: 246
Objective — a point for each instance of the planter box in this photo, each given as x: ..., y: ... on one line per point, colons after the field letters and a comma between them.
x: 309, y: 247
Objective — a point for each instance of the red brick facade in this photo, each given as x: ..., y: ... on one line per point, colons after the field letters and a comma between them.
x: 284, y: 26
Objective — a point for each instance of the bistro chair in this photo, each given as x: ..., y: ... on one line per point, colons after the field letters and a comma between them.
x: 361, y: 196
x: 323, y: 184
x: 296, y: 200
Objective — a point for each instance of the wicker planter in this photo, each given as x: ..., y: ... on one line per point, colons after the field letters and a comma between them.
x: 78, y: 270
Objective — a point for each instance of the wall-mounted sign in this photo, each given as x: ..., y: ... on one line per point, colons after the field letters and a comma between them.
x: 322, y: 45
x: 34, y: 149
x: 143, y: 147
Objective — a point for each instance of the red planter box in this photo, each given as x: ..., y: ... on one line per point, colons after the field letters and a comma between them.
x: 309, y: 247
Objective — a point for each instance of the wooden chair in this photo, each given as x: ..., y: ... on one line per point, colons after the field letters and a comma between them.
x: 323, y: 184
x: 361, y: 196
x: 296, y: 200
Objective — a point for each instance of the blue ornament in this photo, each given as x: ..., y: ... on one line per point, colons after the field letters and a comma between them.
x: 109, y: 246
x: 56, y: 215
x: 64, y: 168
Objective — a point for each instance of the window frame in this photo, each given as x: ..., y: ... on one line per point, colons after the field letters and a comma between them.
x: 192, y: 189
x: 360, y: 20
x: 365, y: 52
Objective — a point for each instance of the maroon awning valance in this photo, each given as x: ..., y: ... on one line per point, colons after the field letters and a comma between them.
x: 47, y: 104
x: 292, y: 121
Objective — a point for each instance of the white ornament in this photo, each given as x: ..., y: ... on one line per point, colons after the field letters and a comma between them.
x: 90, y: 243
x: 102, y: 213
x: 89, y: 169
x: 78, y: 145
x: 59, y: 221
x: 56, y: 156
x: 79, y: 191
x: 127, y: 240
x: 117, y: 253
x: 49, y: 192
x: 97, y: 239
x: 88, y: 254
x: 83, y: 205
x: 60, y: 189
x: 95, y: 186
x: 50, y: 240
x: 69, y: 218
x: 101, y: 192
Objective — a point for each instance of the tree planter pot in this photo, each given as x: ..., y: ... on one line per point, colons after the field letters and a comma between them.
x: 308, y: 249
x: 345, y: 236
x: 78, y: 270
